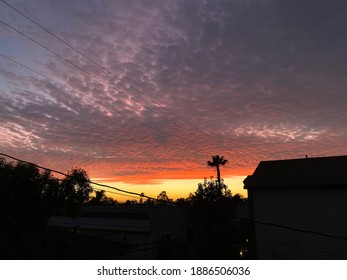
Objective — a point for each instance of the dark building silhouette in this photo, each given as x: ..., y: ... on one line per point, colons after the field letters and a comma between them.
x: 126, y: 232
x: 140, y: 232
x: 299, y: 208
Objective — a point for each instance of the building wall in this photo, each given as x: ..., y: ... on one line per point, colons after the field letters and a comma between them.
x: 321, y: 210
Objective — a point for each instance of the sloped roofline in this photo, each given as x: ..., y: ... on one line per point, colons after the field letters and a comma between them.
x: 300, y: 172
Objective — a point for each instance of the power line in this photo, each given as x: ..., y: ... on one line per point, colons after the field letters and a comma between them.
x: 186, y: 141
x: 292, y: 228
x: 141, y: 195
x: 85, y: 71
x: 103, y: 67
x: 72, y: 89
x: 73, y: 64
x: 68, y: 175
x: 116, y: 193
x: 88, y: 97
x: 89, y: 73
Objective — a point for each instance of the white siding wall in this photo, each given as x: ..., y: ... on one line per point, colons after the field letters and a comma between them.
x: 320, y: 210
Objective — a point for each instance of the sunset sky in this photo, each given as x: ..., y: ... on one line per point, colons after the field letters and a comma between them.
x: 156, y: 88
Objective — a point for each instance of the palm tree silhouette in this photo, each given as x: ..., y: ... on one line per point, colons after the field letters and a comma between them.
x: 216, y: 162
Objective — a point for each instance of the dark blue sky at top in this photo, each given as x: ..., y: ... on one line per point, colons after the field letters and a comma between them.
x: 265, y: 79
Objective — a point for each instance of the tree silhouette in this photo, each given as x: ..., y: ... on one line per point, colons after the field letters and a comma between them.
x: 216, y: 162
x: 162, y: 198
x: 101, y: 199
x: 28, y: 199
x: 208, y: 193
x: 75, y: 189
x: 222, y: 235
x: 100, y: 195
x: 24, y: 207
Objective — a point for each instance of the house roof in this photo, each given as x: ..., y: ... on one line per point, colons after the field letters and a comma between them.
x: 309, y: 172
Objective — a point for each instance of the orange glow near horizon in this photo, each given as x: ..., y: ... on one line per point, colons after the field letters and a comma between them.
x: 177, y: 183
x: 175, y: 188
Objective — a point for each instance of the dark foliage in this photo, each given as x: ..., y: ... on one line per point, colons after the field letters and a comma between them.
x: 101, y: 199
x: 223, y: 234
x: 28, y: 198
